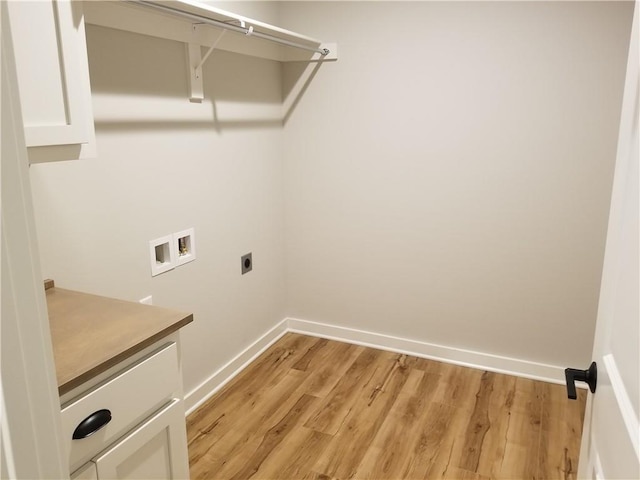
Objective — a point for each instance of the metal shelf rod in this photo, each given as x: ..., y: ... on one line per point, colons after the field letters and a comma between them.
x: 249, y: 31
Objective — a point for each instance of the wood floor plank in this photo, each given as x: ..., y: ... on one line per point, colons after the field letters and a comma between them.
x: 326, y: 366
x: 268, y: 407
x: 407, y: 431
x: 296, y: 455
x: 449, y: 453
x: 316, y: 409
x: 388, y: 450
x: 456, y: 390
x: 478, y: 425
x: 367, y: 413
x: 225, y: 440
x: 339, y: 401
x: 272, y: 438
x: 461, y: 474
x: 502, y: 406
x: 311, y: 475
x: 429, y: 453
x: 523, y: 432
x: 560, y: 435
x: 256, y: 382
x: 311, y: 354
x: 459, y: 385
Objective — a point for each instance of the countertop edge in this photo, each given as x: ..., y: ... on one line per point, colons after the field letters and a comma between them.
x: 91, y: 333
x: 107, y: 364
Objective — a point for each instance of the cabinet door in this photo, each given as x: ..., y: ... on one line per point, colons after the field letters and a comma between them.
x: 157, y: 449
x: 88, y: 472
x: 53, y: 73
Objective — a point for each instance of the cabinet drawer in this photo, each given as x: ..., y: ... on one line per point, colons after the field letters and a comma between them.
x: 130, y: 397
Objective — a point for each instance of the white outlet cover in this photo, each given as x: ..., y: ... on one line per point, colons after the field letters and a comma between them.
x: 190, y: 253
x: 162, y: 255
x: 147, y: 300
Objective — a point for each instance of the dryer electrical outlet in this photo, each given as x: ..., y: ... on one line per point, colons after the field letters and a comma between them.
x: 246, y: 263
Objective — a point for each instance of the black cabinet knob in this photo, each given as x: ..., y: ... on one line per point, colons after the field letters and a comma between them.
x: 590, y: 376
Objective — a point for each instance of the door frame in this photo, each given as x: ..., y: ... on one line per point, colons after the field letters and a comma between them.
x: 31, y: 430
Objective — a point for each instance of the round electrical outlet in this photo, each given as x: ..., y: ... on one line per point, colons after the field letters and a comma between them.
x: 246, y: 263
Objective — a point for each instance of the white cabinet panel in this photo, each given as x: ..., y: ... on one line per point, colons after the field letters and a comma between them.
x: 145, y: 436
x: 88, y: 472
x: 155, y: 450
x: 39, y: 65
x: 53, y: 77
x: 130, y: 397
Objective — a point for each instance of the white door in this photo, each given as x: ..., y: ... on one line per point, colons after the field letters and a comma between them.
x: 30, y: 433
x: 611, y: 436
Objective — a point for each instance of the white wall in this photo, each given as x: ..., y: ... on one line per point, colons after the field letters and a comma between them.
x: 448, y: 179
x: 264, y: 10
x: 165, y: 165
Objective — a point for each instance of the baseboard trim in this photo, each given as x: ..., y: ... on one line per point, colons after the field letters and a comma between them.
x: 457, y: 356
x: 226, y: 373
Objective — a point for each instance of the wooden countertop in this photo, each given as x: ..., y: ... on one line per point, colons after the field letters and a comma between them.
x: 90, y: 333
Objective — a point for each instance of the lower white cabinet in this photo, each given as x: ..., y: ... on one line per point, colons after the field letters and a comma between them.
x: 88, y: 472
x: 132, y: 424
x: 151, y: 451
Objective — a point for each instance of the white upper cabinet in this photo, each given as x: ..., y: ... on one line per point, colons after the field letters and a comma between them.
x: 53, y: 78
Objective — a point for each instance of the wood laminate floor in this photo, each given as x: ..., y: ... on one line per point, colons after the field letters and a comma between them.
x: 310, y: 408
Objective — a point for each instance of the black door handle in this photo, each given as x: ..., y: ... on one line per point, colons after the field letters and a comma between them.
x: 590, y: 376
x: 92, y: 424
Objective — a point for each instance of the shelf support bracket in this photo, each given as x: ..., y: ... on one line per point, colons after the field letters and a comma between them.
x: 196, y: 61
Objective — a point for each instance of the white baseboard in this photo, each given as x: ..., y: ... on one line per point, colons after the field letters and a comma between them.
x: 222, y: 376
x: 457, y: 356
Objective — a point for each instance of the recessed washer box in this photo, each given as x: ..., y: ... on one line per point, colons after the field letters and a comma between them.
x: 185, y: 244
x: 162, y: 255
